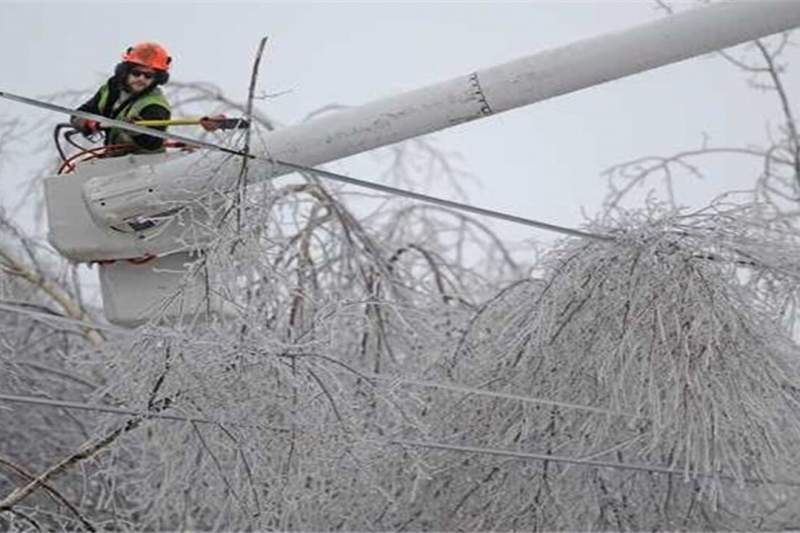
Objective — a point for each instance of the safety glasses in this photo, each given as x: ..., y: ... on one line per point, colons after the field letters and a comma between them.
x: 136, y: 73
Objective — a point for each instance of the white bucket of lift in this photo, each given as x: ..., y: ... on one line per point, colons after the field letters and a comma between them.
x: 86, y: 214
x: 162, y: 287
x: 133, y: 291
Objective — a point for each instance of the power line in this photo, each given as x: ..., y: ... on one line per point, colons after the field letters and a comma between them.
x: 446, y: 203
x: 414, y: 382
x: 583, y: 462
x: 404, y: 442
x: 505, y: 395
x: 22, y: 309
x: 113, y: 410
x: 302, y: 168
x: 475, y: 391
x: 430, y: 384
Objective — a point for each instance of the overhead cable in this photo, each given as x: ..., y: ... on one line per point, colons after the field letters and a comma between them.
x: 687, y: 474
x: 505, y: 395
x: 408, y: 442
x: 444, y: 202
x: 105, y: 121
x: 22, y: 309
x: 110, y: 409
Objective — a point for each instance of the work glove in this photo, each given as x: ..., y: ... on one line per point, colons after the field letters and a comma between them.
x: 212, y: 123
x: 89, y: 127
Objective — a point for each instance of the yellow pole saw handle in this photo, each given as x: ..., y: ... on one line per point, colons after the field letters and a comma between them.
x: 168, y: 122
x: 220, y: 123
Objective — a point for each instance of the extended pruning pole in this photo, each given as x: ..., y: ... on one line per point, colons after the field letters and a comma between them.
x: 220, y: 123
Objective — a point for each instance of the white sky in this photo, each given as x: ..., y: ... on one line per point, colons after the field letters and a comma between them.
x: 543, y: 161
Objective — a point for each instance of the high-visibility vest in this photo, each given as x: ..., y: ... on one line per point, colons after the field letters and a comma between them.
x: 130, y: 112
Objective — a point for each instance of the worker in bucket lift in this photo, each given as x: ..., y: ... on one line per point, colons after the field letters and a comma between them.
x: 133, y: 94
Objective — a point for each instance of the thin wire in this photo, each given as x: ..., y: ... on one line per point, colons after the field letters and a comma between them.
x: 419, y: 383
x: 47, y: 317
x: 114, y: 410
x: 506, y: 395
x: 301, y: 168
x: 584, y: 462
x: 395, y: 380
x: 405, y: 442
x: 444, y: 202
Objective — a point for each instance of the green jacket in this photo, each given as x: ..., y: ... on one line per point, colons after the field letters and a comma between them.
x: 149, y: 105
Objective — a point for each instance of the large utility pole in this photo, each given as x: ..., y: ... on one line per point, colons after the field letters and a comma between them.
x: 130, y: 189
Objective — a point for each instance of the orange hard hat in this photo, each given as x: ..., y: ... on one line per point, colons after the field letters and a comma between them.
x: 148, y: 55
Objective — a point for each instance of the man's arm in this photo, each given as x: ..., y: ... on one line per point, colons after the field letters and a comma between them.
x: 90, y: 106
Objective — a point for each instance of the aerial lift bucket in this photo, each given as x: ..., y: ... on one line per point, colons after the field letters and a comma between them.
x: 144, y: 264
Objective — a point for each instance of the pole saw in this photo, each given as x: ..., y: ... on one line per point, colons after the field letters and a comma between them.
x: 220, y: 123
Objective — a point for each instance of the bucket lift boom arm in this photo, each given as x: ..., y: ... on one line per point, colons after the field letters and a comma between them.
x: 473, y: 96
